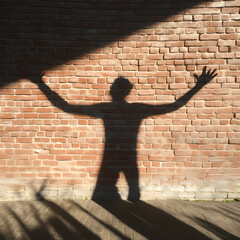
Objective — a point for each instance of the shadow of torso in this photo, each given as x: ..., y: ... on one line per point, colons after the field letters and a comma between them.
x: 121, y: 121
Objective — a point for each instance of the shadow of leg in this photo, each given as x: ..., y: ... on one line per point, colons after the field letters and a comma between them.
x: 105, y: 188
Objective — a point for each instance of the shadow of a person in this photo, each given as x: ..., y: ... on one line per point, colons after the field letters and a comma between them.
x: 150, y: 221
x: 121, y: 122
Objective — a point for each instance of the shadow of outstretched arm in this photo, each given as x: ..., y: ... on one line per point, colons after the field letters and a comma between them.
x: 202, y: 80
x: 59, y: 102
x: 148, y: 110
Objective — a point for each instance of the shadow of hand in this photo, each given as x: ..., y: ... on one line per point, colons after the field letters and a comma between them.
x: 33, y: 77
x: 205, y: 77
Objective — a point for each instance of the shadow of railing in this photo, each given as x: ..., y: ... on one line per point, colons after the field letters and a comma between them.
x: 141, y: 218
x: 71, y: 219
x: 216, y: 230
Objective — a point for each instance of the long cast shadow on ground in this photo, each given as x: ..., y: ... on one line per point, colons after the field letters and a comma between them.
x: 141, y: 217
x: 221, y: 233
x: 82, y: 222
x: 150, y: 222
x: 46, y: 34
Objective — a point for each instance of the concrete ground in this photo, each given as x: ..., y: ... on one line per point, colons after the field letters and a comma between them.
x: 86, y: 219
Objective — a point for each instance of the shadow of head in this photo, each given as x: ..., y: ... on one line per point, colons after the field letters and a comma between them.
x: 120, y: 88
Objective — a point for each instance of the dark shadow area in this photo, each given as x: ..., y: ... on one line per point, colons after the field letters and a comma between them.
x: 151, y: 222
x: 44, y: 34
x: 121, y: 121
x: 60, y: 222
x: 70, y: 219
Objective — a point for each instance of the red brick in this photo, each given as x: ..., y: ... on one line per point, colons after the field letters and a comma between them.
x: 6, y: 115
x: 209, y: 37
x: 197, y: 141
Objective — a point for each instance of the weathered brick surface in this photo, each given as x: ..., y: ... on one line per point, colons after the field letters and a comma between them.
x: 82, y: 47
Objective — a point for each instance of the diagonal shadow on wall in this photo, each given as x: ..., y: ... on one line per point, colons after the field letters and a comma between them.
x: 44, y: 34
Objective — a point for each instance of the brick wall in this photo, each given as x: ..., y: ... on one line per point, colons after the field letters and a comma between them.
x: 191, y: 152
